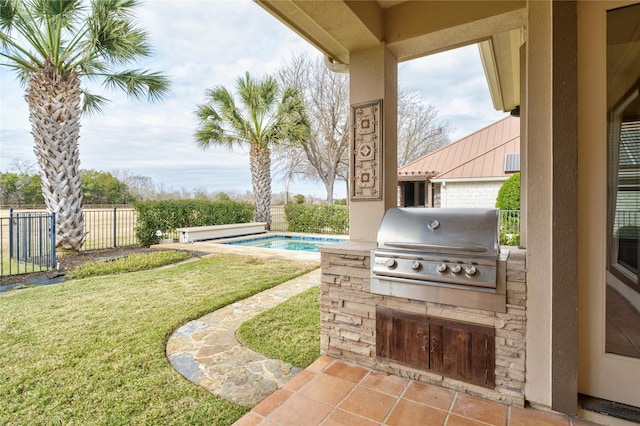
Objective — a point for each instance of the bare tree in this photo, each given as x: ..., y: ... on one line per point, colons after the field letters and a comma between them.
x: 326, y: 98
x: 290, y: 162
x: 23, y: 166
x: 419, y: 129
x: 140, y: 187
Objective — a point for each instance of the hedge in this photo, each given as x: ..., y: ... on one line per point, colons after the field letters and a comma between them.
x: 323, y: 219
x: 168, y: 215
x: 509, y: 194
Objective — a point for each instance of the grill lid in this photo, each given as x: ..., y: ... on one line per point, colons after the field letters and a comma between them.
x: 460, y: 231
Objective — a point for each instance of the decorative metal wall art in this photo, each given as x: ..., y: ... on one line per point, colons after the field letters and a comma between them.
x: 366, y: 151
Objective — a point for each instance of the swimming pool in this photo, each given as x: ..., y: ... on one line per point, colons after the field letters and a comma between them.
x: 286, y: 242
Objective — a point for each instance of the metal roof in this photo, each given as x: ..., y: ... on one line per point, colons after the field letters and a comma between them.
x: 480, y: 155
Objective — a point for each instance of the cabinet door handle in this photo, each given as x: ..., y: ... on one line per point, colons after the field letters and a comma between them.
x: 433, y: 344
x: 424, y: 343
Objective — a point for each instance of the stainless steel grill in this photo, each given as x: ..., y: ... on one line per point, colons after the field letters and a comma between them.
x: 448, y: 256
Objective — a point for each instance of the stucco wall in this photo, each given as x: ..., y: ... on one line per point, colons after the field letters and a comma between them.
x: 374, y: 75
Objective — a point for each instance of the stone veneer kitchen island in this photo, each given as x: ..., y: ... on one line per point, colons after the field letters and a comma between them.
x: 348, y: 319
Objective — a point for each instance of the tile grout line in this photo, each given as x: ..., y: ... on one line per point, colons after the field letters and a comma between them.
x: 334, y: 407
x: 398, y: 398
x: 355, y: 386
x: 449, y: 411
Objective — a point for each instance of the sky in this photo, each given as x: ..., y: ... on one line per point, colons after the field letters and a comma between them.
x: 201, y: 44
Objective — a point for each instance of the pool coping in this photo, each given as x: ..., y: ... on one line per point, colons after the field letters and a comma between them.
x: 278, y: 233
x: 304, y: 237
x: 215, y: 246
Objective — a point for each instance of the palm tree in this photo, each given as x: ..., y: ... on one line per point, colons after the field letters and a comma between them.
x: 54, y: 46
x: 264, y: 118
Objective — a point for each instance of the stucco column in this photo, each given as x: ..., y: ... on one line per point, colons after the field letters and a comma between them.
x: 551, y: 189
x: 374, y: 75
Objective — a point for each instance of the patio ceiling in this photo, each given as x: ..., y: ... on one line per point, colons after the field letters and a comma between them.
x: 412, y: 29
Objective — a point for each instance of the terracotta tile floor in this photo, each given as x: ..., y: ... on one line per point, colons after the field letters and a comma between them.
x: 334, y: 392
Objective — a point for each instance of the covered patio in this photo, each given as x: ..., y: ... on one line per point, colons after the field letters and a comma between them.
x: 548, y: 63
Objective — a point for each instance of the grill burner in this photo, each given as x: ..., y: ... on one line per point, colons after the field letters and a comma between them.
x: 447, y: 256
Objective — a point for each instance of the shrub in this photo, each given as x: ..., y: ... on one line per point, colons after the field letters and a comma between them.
x: 509, y: 194
x: 509, y: 239
x: 168, y: 215
x: 317, y: 218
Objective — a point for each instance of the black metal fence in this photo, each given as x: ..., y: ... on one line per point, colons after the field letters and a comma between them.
x: 510, y: 227
x: 28, y: 239
x: 108, y: 228
x: 27, y: 243
x: 278, y: 219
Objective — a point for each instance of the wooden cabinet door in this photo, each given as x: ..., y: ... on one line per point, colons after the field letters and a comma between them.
x: 456, y: 349
x: 402, y: 338
x: 436, y: 348
x: 468, y: 352
x: 384, y: 332
x: 411, y: 342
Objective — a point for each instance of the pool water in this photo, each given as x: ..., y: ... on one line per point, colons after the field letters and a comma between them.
x: 286, y: 242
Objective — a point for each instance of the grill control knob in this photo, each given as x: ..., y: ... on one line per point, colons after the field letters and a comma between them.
x: 442, y: 268
x: 416, y: 266
x: 471, y: 270
x: 391, y: 264
x: 456, y: 269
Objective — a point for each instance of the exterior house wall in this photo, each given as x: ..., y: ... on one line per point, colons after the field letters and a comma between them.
x: 437, y: 195
x: 470, y: 194
x: 348, y: 321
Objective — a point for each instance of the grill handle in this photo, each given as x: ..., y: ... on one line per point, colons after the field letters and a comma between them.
x: 427, y: 247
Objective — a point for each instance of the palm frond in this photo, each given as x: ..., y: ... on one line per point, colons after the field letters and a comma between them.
x: 258, y: 96
x: 7, y: 14
x: 217, y: 123
x: 139, y: 83
x: 92, y: 104
x: 211, y: 129
x: 57, y: 16
x: 113, y: 34
x: 16, y: 53
x: 22, y: 72
x: 18, y: 20
x: 259, y: 119
x: 75, y: 38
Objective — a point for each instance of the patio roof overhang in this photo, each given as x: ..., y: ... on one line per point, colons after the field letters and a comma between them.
x: 412, y: 29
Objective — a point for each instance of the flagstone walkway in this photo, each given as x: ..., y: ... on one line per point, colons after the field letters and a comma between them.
x: 206, y: 352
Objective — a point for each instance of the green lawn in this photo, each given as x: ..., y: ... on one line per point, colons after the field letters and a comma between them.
x: 289, y: 332
x: 92, y: 351
x: 131, y: 263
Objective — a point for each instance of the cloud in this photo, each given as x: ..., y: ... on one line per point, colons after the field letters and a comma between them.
x: 204, y: 43
x: 454, y: 83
